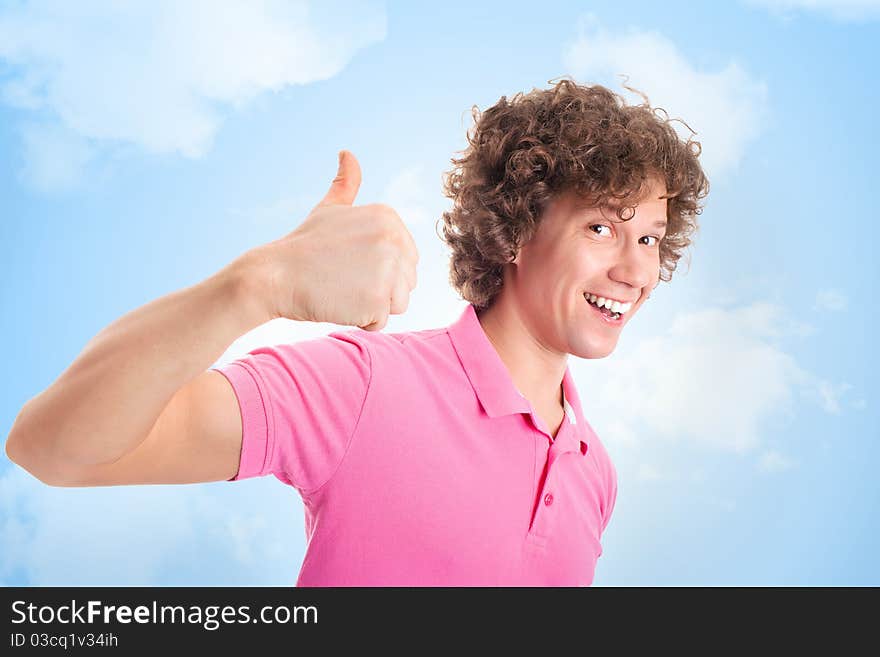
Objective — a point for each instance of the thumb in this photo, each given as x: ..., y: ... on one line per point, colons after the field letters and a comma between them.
x: 345, y: 185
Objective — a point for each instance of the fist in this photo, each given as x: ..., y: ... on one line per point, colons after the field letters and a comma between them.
x: 345, y: 264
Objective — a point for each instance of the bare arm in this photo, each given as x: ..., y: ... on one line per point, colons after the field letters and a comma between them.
x: 104, y: 405
x: 138, y: 406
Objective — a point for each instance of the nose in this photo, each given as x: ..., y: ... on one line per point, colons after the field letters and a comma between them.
x: 636, y: 265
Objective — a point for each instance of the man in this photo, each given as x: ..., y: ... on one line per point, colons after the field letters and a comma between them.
x: 450, y: 456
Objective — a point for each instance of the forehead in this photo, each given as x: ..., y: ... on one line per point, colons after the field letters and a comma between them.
x: 655, y: 193
x: 651, y: 207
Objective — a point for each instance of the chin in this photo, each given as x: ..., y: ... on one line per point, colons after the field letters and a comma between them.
x: 594, y: 353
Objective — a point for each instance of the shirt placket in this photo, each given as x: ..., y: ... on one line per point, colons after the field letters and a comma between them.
x: 546, y: 507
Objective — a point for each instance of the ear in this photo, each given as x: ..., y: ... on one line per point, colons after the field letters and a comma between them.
x: 515, y: 260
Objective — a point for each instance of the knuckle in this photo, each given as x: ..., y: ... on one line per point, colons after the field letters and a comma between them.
x: 382, y: 210
x: 391, y: 244
x: 392, y: 218
x: 386, y: 210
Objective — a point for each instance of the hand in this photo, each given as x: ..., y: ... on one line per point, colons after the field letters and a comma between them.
x: 345, y: 264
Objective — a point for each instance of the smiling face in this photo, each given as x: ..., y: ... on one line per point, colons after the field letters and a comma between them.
x: 578, y: 251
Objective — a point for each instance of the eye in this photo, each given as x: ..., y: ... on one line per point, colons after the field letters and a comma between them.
x: 653, y: 237
x: 599, y: 226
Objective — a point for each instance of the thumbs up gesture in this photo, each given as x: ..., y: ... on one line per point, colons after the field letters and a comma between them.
x: 345, y: 264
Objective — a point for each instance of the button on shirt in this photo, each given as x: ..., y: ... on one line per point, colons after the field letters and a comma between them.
x: 419, y: 462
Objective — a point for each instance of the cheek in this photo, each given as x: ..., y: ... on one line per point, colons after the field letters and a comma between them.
x: 655, y: 269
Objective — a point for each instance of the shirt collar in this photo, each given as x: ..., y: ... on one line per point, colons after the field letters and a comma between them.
x: 491, y: 380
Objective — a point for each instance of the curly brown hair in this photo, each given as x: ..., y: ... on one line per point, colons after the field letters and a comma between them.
x: 524, y: 152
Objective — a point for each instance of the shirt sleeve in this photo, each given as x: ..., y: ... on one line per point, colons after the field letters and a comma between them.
x: 300, y: 404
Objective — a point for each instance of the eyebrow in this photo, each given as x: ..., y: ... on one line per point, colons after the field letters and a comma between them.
x: 581, y: 205
x: 660, y: 223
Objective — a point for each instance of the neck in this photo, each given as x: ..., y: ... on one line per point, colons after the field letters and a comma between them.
x: 536, y: 370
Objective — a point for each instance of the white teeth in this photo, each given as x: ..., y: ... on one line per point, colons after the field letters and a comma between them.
x: 614, y: 306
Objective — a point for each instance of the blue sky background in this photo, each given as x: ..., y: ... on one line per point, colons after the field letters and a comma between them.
x: 142, y: 149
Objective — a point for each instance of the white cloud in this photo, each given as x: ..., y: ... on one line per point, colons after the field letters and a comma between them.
x: 624, y: 432
x: 829, y: 299
x: 243, y: 528
x: 54, y: 157
x: 406, y: 193
x: 841, y: 10
x: 160, y: 75
x: 650, y: 473
x: 773, y: 461
x: 284, y: 213
x: 715, y: 379
x: 725, y: 107
x: 830, y: 394
x: 275, y: 332
x: 234, y: 533
x: 432, y: 304
x: 189, y: 535
x: 419, y: 203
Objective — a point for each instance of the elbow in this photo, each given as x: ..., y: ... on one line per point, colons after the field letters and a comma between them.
x: 16, y: 452
x: 15, y: 441
x: 45, y: 477
x: 13, y: 447
x: 9, y: 454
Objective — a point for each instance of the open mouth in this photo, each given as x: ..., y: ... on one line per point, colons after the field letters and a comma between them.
x: 610, y: 315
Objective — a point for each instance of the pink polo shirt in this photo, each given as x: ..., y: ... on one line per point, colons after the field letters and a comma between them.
x: 419, y: 462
